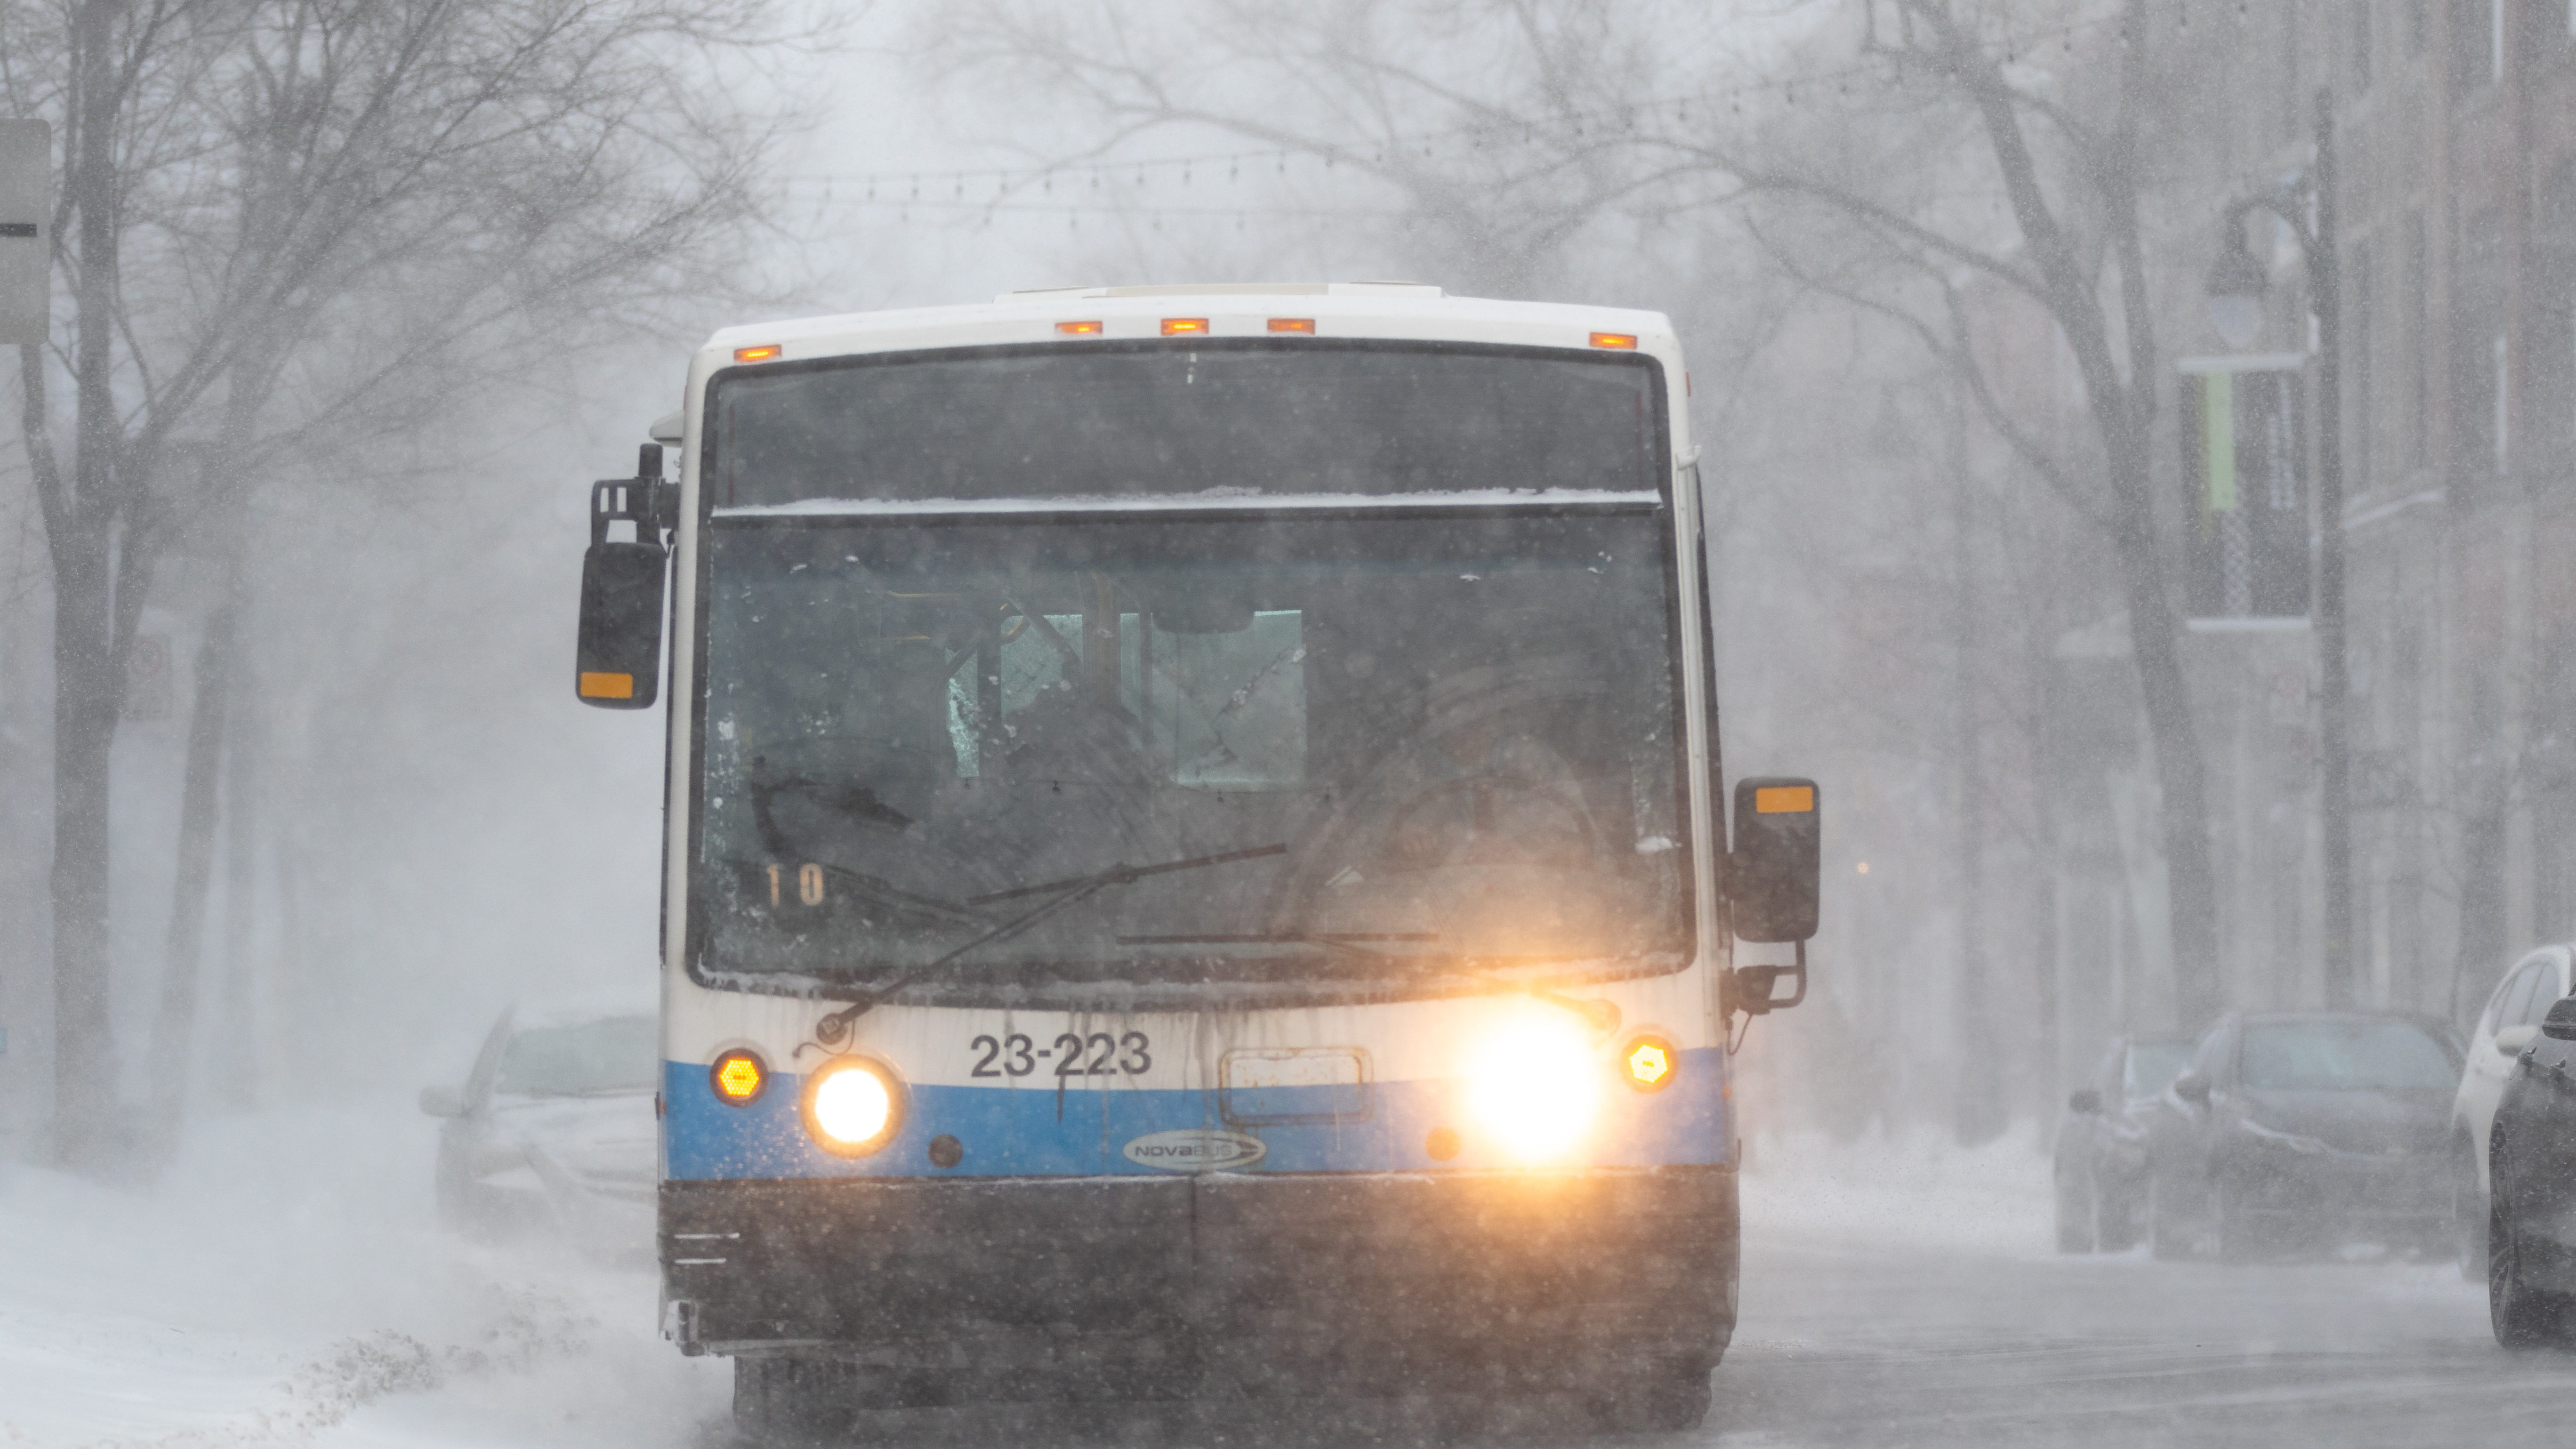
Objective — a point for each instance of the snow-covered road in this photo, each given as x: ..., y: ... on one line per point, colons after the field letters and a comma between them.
x: 285, y: 1287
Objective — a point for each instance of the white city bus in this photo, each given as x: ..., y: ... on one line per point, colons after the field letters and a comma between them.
x: 1195, y: 857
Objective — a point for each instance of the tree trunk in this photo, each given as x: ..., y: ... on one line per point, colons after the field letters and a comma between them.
x: 2123, y: 411
x: 2181, y: 772
x: 1978, y: 1115
x: 174, y: 1031
x: 88, y: 660
x: 245, y: 982
x: 85, y: 708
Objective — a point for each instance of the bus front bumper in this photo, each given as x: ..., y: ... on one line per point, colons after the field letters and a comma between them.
x: 1128, y: 1287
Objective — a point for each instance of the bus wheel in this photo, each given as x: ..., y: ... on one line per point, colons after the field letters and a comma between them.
x: 779, y: 1399
x: 1669, y: 1401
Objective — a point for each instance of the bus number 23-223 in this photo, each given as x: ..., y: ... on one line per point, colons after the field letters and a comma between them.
x: 1096, y: 1055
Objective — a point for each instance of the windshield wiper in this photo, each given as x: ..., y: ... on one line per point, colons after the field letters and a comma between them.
x: 1061, y: 893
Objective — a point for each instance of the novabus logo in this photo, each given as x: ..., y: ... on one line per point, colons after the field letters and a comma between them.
x: 1196, y: 1150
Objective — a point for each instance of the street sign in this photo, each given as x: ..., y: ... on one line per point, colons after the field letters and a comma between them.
x: 2245, y: 481
x: 26, y: 230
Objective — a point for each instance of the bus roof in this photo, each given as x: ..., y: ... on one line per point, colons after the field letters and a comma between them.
x: 1375, y: 310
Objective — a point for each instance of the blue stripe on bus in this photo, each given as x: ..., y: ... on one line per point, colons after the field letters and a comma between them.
x: 1033, y: 1131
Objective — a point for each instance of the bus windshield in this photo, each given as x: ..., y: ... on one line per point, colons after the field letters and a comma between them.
x: 1430, y: 745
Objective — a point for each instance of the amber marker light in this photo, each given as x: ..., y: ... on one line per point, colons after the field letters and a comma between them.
x: 1293, y: 324
x: 1784, y: 799
x: 768, y: 352
x: 738, y: 1078
x: 1184, y: 326
x: 595, y: 685
x: 1078, y: 329
x: 852, y: 1106
x: 1650, y: 1062
x: 1623, y: 340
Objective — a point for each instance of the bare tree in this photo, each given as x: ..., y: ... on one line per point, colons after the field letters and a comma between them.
x: 1555, y: 114
x: 293, y: 226
x: 2062, y: 154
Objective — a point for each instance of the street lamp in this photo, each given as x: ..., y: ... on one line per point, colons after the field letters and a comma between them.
x: 2235, y: 289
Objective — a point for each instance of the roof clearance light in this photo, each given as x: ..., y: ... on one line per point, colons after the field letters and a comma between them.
x: 1626, y: 340
x: 1078, y: 329
x: 1293, y: 324
x: 1184, y: 326
x: 738, y: 1077
x: 768, y: 352
x: 1650, y: 1061
x: 852, y: 1106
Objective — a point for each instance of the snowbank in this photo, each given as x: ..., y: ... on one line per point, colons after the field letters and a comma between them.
x: 285, y: 1285
x: 1913, y: 1188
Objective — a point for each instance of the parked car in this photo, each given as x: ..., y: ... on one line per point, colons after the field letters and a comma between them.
x: 554, y: 1128
x: 2509, y: 1023
x: 2531, y: 1228
x: 2305, y: 1130
x: 2101, y: 1166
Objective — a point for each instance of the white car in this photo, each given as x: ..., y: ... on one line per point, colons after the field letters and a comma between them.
x: 554, y: 1128
x: 2510, y: 1021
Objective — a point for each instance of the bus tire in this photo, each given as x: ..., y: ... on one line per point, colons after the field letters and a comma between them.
x: 1671, y: 1401
x: 785, y: 1400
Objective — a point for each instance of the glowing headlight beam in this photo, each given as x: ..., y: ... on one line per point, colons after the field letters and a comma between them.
x: 852, y: 1106
x: 1534, y: 1087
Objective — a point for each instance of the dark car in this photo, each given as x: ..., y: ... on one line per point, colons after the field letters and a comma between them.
x: 553, y: 1129
x: 2531, y: 1223
x: 2101, y: 1167
x: 2306, y: 1130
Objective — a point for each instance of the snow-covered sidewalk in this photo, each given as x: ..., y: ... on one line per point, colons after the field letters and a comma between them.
x: 284, y: 1284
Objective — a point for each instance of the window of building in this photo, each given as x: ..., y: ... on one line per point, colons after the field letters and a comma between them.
x: 2551, y: 305
x: 2293, y: 93
x: 2477, y: 44
x: 2478, y: 380
x: 2358, y: 339
x: 2418, y: 380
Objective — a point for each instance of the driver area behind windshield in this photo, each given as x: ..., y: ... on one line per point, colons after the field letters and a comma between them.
x: 1411, y: 745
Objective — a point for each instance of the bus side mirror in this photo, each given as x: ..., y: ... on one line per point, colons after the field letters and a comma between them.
x: 1773, y: 876
x: 618, y: 662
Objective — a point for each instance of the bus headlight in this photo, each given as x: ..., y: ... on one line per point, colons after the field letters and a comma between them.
x: 1534, y: 1086
x: 853, y: 1106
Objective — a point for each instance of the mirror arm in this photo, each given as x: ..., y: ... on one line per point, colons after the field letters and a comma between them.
x: 1769, y: 975
x: 1798, y: 969
x: 646, y: 500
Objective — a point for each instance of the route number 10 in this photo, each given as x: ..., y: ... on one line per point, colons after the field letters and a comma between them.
x: 809, y: 883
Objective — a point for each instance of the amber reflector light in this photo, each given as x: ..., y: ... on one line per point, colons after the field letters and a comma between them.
x: 1614, y: 339
x: 1649, y: 1062
x: 738, y: 1077
x: 768, y: 353
x: 607, y: 686
x: 1292, y: 324
x: 1183, y: 326
x: 1078, y: 329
